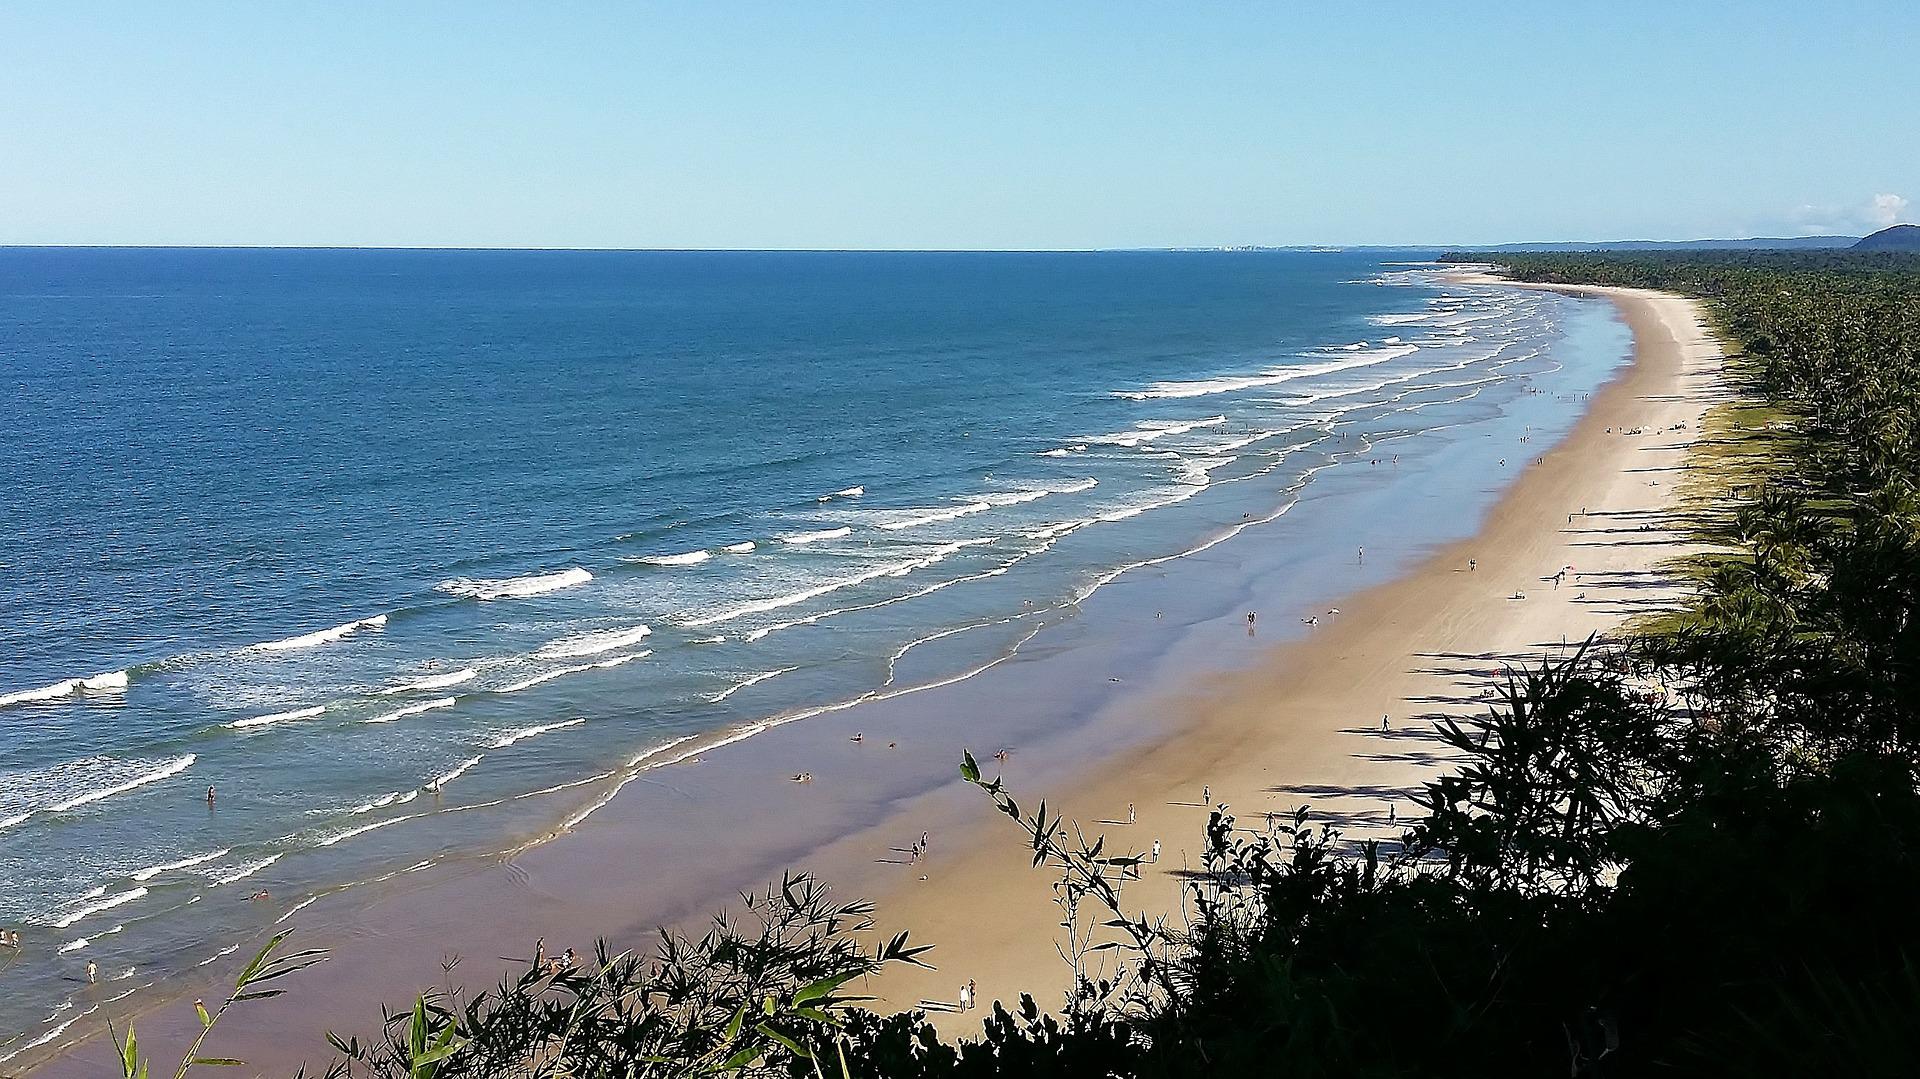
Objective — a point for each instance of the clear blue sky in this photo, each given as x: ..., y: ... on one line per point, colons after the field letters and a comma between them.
x: 960, y: 125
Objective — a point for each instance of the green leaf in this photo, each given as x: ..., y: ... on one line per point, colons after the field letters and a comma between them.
x: 969, y: 769
x: 220, y: 1062
x: 821, y: 988
x: 200, y: 1010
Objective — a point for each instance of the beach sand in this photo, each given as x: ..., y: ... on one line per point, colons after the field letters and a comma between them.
x: 1100, y: 719
x: 1303, y: 726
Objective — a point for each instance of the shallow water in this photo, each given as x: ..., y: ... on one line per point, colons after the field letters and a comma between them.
x: 390, y: 545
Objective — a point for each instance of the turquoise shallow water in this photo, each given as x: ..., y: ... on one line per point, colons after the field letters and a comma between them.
x: 384, y: 544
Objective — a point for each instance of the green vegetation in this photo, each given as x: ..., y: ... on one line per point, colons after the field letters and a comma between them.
x: 1694, y: 851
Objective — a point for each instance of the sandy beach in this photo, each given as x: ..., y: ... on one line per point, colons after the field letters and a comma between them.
x: 1264, y: 722
x: 1304, y: 725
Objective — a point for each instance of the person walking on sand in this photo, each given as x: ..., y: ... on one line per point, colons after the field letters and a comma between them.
x: 973, y: 995
x: 1156, y: 850
x: 1129, y: 812
x: 1206, y: 795
x: 1383, y: 721
x: 93, y: 972
x: 1471, y: 565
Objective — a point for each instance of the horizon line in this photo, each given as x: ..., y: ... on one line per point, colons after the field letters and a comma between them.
x: 1191, y: 248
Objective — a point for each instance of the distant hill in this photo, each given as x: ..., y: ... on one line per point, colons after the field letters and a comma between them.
x: 1895, y: 238
x: 1764, y: 243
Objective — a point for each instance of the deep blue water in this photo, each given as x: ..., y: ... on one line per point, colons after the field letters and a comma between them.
x: 376, y: 538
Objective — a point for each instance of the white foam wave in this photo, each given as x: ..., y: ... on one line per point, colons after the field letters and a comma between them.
x: 323, y: 636
x: 111, y: 680
x: 1360, y: 357
x: 378, y: 803
x: 440, y: 781
x: 153, y: 871
x: 515, y: 587
x: 362, y: 830
x: 739, y: 548
x: 437, y: 681
x: 687, y: 558
x: 1413, y: 319
x: 755, y: 680
x: 508, y: 738
x: 594, y: 643
x: 850, y: 492
x: 544, y: 676
x: 894, y: 569
x: 219, y: 955
x: 936, y: 516
x: 171, y: 768
x: 91, y: 909
x: 247, y: 870
x: 297, y: 908
x: 1148, y: 430
x: 277, y: 717
x: 74, y: 945
x: 413, y: 710
x: 799, y: 539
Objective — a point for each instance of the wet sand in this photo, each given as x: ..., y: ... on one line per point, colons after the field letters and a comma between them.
x: 1113, y: 707
x: 1303, y: 726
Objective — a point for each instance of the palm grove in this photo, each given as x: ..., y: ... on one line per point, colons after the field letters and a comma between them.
x: 1687, y: 850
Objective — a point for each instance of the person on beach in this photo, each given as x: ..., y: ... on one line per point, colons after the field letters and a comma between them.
x: 1471, y: 565
x: 1129, y: 812
x: 93, y: 972
x: 1360, y: 555
x: 1383, y: 721
x: 1249, y: 622
x: 1156, y: 850
x: 1206, y: 795
x: 209, y: 794
x: 972, y: 995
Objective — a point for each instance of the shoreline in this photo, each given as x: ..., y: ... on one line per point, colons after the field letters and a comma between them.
x: 620, y: 874
x: 1298, y: 728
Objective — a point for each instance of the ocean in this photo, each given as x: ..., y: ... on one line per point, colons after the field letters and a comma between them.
x: 406, y: 554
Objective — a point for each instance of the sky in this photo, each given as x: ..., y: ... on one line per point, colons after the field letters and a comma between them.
x: 818, y: 124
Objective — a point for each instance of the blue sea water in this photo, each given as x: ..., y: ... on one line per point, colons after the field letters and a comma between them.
x: 377, y: 538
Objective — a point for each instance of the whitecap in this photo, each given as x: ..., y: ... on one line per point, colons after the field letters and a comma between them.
x: 685, y: 558
x: 247, y: 870
x: 413, y: 710
x: 67, y: 687
x: 894, y: 569
x: 437, y: 681
x: 440, y: 781
x: 171, y: 768
x: 594, y: 643
x: 323, y: 636
x: 277, y: 717
x: 185, y: 863
x: 849, y: 492
x: 515, y: 587
x: 508, y: 738
x: 799, y: 539
x: 94, y: 908
x: 739, y: 548
x: 756, y: 679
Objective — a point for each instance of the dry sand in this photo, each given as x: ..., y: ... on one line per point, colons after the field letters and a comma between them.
x: 1303, y: 727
